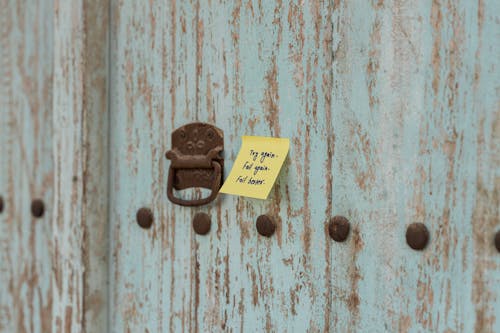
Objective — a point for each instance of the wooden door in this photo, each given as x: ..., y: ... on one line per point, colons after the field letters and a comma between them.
x: 393, y: 116
x: 53, y: 148
x: 26, y: 166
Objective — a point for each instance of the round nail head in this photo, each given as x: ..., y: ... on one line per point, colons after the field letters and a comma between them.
x: 37, y: 208
x: 265, y: 226
x: 202, y: 223
x: 338, y: 228
x: 497, y: 241
x: 417, y: 236
x: 145, y: 218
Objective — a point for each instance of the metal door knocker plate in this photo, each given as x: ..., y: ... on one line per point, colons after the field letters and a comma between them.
x: 196, y: 161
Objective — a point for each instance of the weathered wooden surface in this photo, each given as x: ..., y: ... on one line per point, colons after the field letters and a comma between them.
x: 393, y: 112
x: 80, y: 224
x: 53, y: 146
x: 26, y: 165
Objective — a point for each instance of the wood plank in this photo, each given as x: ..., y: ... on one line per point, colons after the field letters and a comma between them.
x: 416, y: 94
x: 26, y: 165
x: 254, y: 68
x: 80, y: 222
x: 392, y: 109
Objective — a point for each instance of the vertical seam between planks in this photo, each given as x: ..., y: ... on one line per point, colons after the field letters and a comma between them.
x: 108, y: 171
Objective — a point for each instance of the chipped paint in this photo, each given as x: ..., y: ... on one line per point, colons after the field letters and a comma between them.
x: 393, y: 111
x: 375, y: 104
x: 53, y: 133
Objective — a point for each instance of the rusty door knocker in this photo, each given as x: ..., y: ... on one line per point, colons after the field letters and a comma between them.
x: 196, y: 161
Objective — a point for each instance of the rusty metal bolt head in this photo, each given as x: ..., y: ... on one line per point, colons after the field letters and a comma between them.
x: 497, y: 241
x: 145, y: 218
x: 417, y: 236
x: 265, y: 225
x: 1, y: 204
x: 338, y: 228
x: 202, y: 223
x: 37, y: 208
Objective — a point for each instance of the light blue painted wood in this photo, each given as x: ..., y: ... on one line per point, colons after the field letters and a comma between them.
x: 26, y: 165
x: 392, y: 109
x: 53, y: 146
x: 393, y: 113
x: 80, y: 150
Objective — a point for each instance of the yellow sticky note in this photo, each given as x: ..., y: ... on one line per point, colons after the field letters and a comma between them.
x: 256, y: 167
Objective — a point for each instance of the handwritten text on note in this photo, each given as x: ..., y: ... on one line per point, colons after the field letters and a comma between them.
x: 256, y: 167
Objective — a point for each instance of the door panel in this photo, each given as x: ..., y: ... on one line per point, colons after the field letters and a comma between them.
x: 174, y: 71
x: 80, y: 149
x: 53, y: 147
x: 26, y: 165
x: 392, y: 113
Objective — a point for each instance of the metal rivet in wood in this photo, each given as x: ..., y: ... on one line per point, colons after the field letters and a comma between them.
x: 37, y: 208
x: 417, y: 236
x: 202, y: 223
x: 338, y: 228
x: 265, y: 225
x: 145, y: 218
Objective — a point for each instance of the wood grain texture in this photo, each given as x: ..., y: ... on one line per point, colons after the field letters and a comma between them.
x: 80, y: 228
x: 392, y: 109
x: 393, y: 112
x: 54, y: 132
x: 26, y: 165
